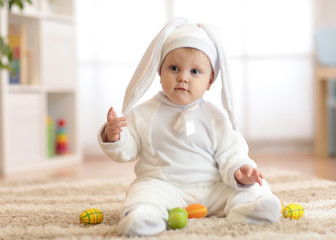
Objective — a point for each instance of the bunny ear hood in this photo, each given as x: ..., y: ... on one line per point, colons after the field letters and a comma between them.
x: 191, y: 36
x: 179, y: 33
x: 146, y: 70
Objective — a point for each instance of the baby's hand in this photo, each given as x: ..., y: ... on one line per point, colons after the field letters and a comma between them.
x: 114, y: 125
x: 248, y: 175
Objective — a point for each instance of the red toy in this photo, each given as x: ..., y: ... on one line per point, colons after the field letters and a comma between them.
x: 61, y: 138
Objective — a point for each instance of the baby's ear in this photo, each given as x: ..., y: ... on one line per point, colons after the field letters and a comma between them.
x: 211, y: 80
x: 159, y: 71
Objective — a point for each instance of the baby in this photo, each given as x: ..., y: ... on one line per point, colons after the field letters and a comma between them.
x: 187, y: 149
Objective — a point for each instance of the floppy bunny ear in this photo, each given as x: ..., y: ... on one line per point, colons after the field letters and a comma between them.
x: 224, y: 71
x: 148, y: 66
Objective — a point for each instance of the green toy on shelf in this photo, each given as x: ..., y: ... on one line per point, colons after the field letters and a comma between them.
x: 50, y: 137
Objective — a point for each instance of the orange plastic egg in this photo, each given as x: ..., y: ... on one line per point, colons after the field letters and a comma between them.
x: 282, y: 207
x: 196, y: 211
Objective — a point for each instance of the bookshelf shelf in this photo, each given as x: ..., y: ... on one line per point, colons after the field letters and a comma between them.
x: 31, y: 16
x: 13, y: 88
x: 44, y: 91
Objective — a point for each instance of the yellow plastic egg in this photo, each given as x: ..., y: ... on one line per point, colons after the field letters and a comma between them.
x: 293, y: 211
x: 91, y: 216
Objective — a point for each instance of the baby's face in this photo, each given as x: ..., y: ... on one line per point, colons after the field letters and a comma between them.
x: 186, y: 74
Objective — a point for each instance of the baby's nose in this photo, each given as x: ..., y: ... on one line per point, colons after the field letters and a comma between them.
x: 183, y: 77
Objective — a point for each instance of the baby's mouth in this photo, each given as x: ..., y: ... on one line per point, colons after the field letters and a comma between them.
x: 182, y: 89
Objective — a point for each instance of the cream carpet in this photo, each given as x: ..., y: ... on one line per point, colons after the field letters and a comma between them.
x: 50, y: 210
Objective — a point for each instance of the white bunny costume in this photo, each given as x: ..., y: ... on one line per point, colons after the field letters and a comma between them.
x: 185, y: 154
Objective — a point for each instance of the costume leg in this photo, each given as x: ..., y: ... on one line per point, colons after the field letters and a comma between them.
x: 253, y: 204
x: 145, y: 210
x: 144, y: 220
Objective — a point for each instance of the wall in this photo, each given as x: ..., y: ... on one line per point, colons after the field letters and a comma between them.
x: 324, y: 13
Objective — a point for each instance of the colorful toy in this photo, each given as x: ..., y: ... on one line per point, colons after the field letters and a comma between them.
x: 293, y: 211
x: 178, y: 216
x: 196, y: 211
x: 91, y: 216
x: 179, y: 210
x: 61, y: 138
x: 177, y: 220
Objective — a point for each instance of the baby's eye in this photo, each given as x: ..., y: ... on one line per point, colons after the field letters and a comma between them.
x: 173, y: 68
x: 195, y: 71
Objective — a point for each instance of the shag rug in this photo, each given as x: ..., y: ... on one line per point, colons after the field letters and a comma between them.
x: 50, y: 209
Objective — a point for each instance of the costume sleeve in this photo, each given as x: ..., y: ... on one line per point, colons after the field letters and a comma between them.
x: 231, y: 152
x: 123, y: 150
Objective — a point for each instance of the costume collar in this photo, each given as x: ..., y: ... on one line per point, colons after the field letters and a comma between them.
x: 184, y: 122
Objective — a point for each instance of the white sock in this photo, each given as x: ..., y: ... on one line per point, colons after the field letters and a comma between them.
x: 266, y: 208
x: 145, y: 220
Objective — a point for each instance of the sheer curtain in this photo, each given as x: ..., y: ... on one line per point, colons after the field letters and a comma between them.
x: 270, y: 47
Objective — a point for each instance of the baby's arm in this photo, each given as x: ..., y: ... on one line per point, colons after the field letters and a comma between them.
x: 121, y: 146
x: 113, y: 126
x: 248, y: 175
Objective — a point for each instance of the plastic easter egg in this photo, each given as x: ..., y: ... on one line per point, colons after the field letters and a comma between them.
x: 179, y: 210
x: 282, y: 207
x: 293, y: 211
x: 196, y: 211
x: 177, y: 220
x: 91, y: 216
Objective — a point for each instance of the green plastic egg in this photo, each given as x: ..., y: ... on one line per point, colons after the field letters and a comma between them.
x: 178, y: 210
x: 177, y: 220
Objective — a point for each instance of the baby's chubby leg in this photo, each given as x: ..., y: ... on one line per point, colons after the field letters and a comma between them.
x: 145, y: 210
x: 253, y: 204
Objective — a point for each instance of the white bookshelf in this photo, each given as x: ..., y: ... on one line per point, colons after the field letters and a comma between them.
x: 50, y: 88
